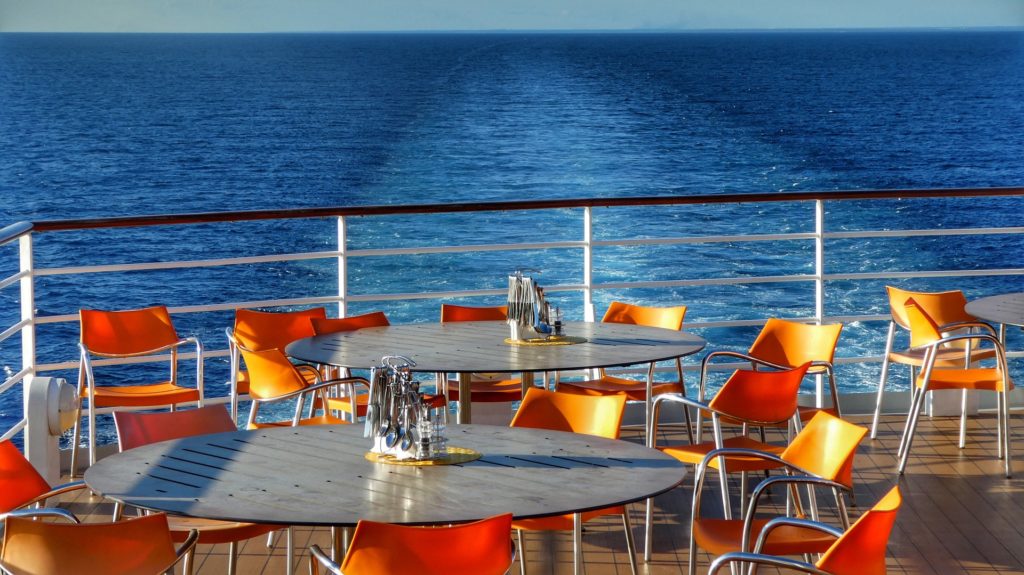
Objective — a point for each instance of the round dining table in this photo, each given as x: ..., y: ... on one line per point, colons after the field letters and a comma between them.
x: 1004, y: 309
x: 319, y: 475
x: 483, y: 346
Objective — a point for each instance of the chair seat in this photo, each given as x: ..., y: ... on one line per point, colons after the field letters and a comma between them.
x: 489, y: 390
x: 982, y: 378
x: 720, y: 536
x: 946, y: 357
x: 164, y: 393
x: 635, y: 390
x: 318, y: 420
x: 563, y: 522
x: 694, y: 454
x: 212, y: 532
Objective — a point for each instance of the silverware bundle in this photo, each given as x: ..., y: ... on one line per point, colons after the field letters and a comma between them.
x: 397, y: 419
x: 528, y: 315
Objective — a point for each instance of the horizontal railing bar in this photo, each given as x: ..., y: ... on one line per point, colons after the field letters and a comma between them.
x: 377, y: 252
x: 167, y: 265
x: 14, y: 329
x: 15, y: 430
x: 924, y: 274
x: 13, y: 279
x: 706, y: 239
x: 15, y: 379
x: 301, y: 213
x: 14, y: 231
x: 931, y: 232
x: 73, y: 364
x: 705, y: 282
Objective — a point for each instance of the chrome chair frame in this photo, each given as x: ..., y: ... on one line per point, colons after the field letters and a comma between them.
x: 1002, y: 401
x: 950, y: 328
x: 87, y: 383
x: 758, y: 558
x: 794, y: 476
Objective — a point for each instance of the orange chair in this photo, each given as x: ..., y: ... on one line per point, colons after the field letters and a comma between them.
x: 786, y: 344
x: 139, y: 546
x: 858, y: 551
x: 749, y: 398
x: 21, y: 485
x: 136, y: 429
x: 589, y: 414
x: 483, y: 388
x: 820, y: 455
x: 122, y: 334
x: 663, y: 317
x: 259, y: 330
x: 926, y: 335
x: 343, y: 401
x: 479, y: 548
x: 273, y: 378
x: 947, y: 309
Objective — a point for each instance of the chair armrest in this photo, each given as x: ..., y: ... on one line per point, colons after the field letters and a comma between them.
x: 770, y: 560
x: 704, y: 363
x: 318, y: 556
x: 954, y: 338
x: 59, y: 490
x: 186, y: 548
x: 43, y: 512
x: 762, y: 488
x: 318, y: 377
x: 652, y: 425
x: 958, y: 325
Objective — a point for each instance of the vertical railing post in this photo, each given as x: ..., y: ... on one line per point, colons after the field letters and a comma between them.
x: 342, y: 267
x: 588, y: 264
x: 36, y: 432
x: 819, y: 284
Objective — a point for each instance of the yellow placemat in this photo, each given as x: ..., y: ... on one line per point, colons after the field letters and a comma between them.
x: 454, y: 455
x: 549, y: 340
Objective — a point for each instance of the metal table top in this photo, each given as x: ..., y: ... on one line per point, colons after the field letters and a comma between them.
x: 318, y: 475
x: 479, y: 346
x: 1006, y: 309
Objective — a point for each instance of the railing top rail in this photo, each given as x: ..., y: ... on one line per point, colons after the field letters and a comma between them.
x: 14, y: 231
x: 401, y: 209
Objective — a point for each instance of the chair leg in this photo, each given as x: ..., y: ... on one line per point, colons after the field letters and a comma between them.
x: 76, y: 437
x: 881, y: 380
x: 648, y: 528
x: 522, y: 552
x: 289, y: 552
x: 1006, y: 434
x: 630, y: 544
x: 963, y: 420
x: 92, y: 436
x: 232, y: 557
x: 906, y: 425
x: 577, y: 544
x: 911, y: 429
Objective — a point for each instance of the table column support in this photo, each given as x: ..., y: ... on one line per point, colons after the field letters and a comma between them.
x: 465, y: 401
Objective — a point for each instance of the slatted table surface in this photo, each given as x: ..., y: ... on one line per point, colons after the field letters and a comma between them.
x: 1007, y: 309
x: 318, y: 475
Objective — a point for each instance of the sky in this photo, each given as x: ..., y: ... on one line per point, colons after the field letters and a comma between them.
x: 437, y: 15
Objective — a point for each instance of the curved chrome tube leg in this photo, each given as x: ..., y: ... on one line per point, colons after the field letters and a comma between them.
x: 522, y: 552
x: 630, y: 544
x: 881, y: 381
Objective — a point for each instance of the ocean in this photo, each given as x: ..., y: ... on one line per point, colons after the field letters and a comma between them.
x: 97, y: 125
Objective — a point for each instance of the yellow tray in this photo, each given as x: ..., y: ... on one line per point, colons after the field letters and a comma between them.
x: 549, y: 340
x: 454, y: 455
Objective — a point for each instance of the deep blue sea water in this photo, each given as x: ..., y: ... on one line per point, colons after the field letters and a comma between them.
x: 107, y: 125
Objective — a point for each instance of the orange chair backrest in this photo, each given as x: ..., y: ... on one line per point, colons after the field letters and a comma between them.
x: 923, y: 329
x: 861, y: 549
x: 760, y: 396
x: 19, y: 480
x: 826, y: 447
x: 943, y: 307
x: 590, y: 414
x: 664, y: 317
x: 138, y: 546
x: 353, y: 322
x: 271, y: 374
x: 260, y: 330
x: 135, y: 429
x: 451, y: 312
x: 791, y: 343
x: 126, y: 332
x: 479, y: 548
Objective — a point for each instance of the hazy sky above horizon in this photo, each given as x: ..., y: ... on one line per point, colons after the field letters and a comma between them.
x: 410, y: 15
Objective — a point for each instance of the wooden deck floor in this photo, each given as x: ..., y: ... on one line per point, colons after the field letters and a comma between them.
x: 960, y: 515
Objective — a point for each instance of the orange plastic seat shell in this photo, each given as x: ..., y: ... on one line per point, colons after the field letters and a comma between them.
x: 139, y: 546
x: 479, y: 548
x: 334, y: 324
x: 451, y: 313
x: 650, y: 316
x: 721, y: 536
x: 792, y: 343
x: 259, y: 330
x: 861, y: 549
x: 19, y: 480
x: 760, y: 396
x: 271, y: 374
x: 136, y: 429
x: 126, y: 332
x: 826, y: 447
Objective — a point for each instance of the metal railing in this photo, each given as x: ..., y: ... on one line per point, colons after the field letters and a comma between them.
x: 586, y: 246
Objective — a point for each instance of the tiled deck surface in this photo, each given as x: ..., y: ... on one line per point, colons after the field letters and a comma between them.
x: 960, y: 515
